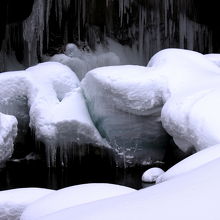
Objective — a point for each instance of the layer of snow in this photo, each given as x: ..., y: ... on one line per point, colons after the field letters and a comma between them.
x: 194, y: 195
x: 72, y: 196
x: 125, y: 103
x: 214, y: 57
x: 190, y: 163
x: 8, y: 132
x: 57, y: 110
x: 151, y: 175
x: 13, y: 202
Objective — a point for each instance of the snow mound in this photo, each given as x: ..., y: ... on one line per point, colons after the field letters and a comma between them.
x: 151, y: 175
x: 81, y: 61
x: 56, y: 107
x: 194, y: 195
x: 72, y: 196
x: 8, y: 132
x: 13, y: 202
x: 214, y: 57
x: 125, y: 104
x: 190, y: 163
x: 193, y: 120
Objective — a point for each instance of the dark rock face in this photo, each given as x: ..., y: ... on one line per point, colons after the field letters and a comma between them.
x: 31, y: 28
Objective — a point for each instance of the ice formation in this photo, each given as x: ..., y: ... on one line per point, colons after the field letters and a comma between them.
x: 125, y: 104
x: 194, y: 194
x: 13, y: 202
x: 151, y: 175
x: 8, y: 132
x: 190, y: 163
x: 72, y: 196
x: 57, y: 110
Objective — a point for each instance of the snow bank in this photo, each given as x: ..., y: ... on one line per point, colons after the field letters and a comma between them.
x: 13, y: 202
x: 125, y: 104
x: 56, y: 107
x: 151, y: 175
x: 8, y: 132
x: 214, y: 57
x: 190, y: 163
x: 81, y: 61
x: 194, y: 195
x: 72, y: 196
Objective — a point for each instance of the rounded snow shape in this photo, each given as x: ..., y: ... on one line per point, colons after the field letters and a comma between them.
x: 152, y: 174
x: 13, y: 202
x: 72, y: 196
x: 190, y: 163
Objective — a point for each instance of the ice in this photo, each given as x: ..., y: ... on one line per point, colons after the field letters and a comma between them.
x: 125, y: 104
x: 151, y: 175
x: 8, y: 132
x: 193, y: 195
x: 81, y: 61
x: 13, y: 202
x: 72, y: 196
x: 190, y: 163
x: 56, y: 107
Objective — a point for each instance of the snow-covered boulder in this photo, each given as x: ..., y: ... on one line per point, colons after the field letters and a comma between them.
x: 14, y: 201
x: 8, y: 132
x: 48, y: 95
x: 125, y: 104
x: 72, y: 196
x: 193, y: 120
x: 193, y: 195
x: 190, y: 163
x: 151, y: 175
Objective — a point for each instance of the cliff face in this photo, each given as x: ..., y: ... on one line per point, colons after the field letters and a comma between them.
x: 31, y: 28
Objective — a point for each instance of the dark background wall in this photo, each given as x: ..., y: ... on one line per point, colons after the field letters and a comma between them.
x: 150, y: 25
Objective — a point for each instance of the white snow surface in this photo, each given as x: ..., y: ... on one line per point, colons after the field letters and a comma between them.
x: 57, y: 110
x: 72, y: 196
x: 14, y: 201
x: 214, y: 57
x: 8, y: 132
x: 193, y: 195
x: 151, y: 175
x: 190, y: 163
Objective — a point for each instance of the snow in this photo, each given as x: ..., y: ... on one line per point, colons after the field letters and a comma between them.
x: 14, y: 201
x: 72, y: 196
x: 152, y: 174
x: 81, y: 61
x: 130, y: 118
x: 56, y: 107
x: 190, y: 163
x: 8, y: 132
x: 214, y: 57
x: 194, y: 195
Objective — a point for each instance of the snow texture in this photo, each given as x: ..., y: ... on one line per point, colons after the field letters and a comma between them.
x: 57, y: 110
x: 14, y: 201
x: 214, y: 57
x: 151, y: 175
x: 190, y: 163
x: 125, y: 104
x: 72, y: 196
x: 8, y: 132
x: 194, y: 195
